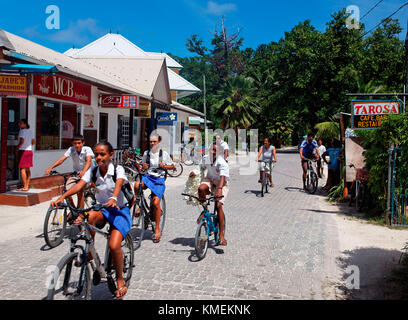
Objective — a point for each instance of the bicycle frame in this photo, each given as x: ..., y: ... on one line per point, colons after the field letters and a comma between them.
x: 210, y: 219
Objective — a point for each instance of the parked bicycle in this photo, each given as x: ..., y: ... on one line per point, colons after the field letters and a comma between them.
x: 143, y: 215
x: 359, y: 188
x: 208, y: 226
x: 56, y: 219
x: 178, y: 169
x: 71, y: 280
x: 265, y: 183
x: 132, y: 167
x: 312, y: 180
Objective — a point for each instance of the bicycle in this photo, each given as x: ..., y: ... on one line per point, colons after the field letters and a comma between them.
x: 177, y: 171
x: 265, y: 180
x: 75, y: 266
x: 311, y: 177
x: 55, y: 221
x: 132, y: 167
x: 145, y: 217
x: 359, y: 186
x: 209, y: 225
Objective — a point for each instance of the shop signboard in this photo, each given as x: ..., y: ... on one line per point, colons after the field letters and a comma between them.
x: 370, y: 114
x: 62, y: 88
x: 120, y: 101
x: 13, y: 86
x: 166, y: 118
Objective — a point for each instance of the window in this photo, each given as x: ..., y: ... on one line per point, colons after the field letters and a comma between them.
x: 70, y: 124
x: 56, y: 125
x: 48, y: 125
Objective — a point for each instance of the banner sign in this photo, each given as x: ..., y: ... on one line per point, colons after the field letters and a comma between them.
x: 62, y: 88
x: 120, y: 101
x: 166, y: 118
x: 370, y: 114
x: 13, y: 86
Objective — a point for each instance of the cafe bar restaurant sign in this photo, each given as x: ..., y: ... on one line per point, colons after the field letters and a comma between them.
x: 370, y: 114
x: 120, y: 101
x: 62, y: 88
x: 13, y: 86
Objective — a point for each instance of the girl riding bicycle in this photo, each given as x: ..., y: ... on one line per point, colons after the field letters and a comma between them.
x: 110, y: 194
x: 156, y: 161
x: 267, y: 153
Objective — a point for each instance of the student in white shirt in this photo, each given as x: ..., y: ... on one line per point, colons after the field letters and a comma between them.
x: 155, y: 178
x: 110, y: 194
x: 81, y: 156
x: 216, y: 179
x: 25, y: 149
x: 224, y: 147
x: 320, y: 163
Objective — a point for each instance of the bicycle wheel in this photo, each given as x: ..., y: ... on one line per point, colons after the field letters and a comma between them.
x: 177, y: 171
x: 263, y: 187
x: 64, y: 280
x: 138, y: 225
x: 55, y: 224
x: 201, y: 240
x: 312, y: 186
x: 128, y: 258
x: 187, y: 158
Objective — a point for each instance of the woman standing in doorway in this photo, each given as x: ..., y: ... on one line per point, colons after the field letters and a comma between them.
x: 25, y: 149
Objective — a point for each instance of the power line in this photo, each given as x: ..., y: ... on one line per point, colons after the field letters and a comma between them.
x: 371, y: 9
x: 385, y: 19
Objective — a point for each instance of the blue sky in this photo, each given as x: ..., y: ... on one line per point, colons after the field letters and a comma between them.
x: 157, y: 25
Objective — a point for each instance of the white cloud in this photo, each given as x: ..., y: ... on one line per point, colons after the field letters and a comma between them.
x: 79, y: 32
x: 219, y: 9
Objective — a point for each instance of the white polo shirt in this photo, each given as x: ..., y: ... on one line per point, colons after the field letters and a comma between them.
x: 79, y: 160
x: 154, y: 162
x: 27, y: 135
x: 217, y: 169
x: 105, y: 185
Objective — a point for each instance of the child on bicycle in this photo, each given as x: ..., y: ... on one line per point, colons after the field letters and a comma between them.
x: 266, y: 153
x: 309, y: 149
x: 215, y: 180
x: 81, y: 156
x: 156, y: 161
x: 110, y: 194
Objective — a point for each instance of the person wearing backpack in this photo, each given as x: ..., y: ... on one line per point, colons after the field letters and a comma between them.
x: 157, y: 162
x: 110, y: 183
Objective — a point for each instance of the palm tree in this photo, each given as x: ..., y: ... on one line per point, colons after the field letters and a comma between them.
x: 237, y: 106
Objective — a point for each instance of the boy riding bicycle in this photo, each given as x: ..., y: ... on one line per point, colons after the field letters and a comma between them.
x: 81, y: 156
x: 215, y: 180
x: 309, y: 149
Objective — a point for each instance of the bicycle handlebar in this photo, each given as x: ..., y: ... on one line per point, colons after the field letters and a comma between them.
x: 202, y: 199
x: 56, y: 173
x: 76, y: 211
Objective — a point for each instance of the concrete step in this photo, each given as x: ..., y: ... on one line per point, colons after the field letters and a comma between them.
x: 30, y: 197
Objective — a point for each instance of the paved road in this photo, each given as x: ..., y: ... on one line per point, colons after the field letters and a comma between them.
x: 279, y: 247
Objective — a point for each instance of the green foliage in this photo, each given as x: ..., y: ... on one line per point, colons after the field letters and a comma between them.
x: 299, y: 81
x: 392, y: 133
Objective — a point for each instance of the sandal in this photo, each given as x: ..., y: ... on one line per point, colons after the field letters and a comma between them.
x: 156, y: 238
x: 122, y: 291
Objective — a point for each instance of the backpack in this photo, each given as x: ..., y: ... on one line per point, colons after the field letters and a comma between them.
x: 160, y: 160
x: 126, y: 187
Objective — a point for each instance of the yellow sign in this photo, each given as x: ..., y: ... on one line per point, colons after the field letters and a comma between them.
x: 14, y: 86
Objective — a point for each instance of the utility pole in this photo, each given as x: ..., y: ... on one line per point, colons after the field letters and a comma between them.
x: 205, y: 113
x: 406, y: 64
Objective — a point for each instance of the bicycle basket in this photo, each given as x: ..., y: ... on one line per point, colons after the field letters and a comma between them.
x: 362, y: 174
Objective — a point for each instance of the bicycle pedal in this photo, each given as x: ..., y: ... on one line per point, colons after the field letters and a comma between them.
x: 96, y: 278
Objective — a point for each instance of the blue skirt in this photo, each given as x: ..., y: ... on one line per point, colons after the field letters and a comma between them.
x: 120, y: 219
x: 155, y: 184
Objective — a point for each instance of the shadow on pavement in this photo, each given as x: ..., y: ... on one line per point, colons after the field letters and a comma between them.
x: 290, y: 189
x: 377, y: 273
x: 255, y: 192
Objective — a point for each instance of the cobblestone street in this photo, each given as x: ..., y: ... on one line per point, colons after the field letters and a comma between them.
x: 281, y: 246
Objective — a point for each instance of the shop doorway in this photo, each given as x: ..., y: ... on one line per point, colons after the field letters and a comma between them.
x: 103, y: 127
x: 16, y: 111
